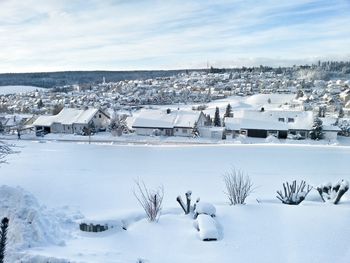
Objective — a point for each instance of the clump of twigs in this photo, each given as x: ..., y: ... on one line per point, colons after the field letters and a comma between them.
x: 5, y: 149
x: 294, y: 194
x: 333, y: 192
x: 150, y: 199
x: 238, y: 186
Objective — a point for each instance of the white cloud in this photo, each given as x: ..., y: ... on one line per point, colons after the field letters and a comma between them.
x: 114, y: 35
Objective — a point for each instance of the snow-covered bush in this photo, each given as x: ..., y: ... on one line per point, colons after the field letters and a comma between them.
x: 150, y: 199
x: 238, y: 186
x: 333, y: 192
x: 293, y: 194
x: 118, y: 125
x: 344, y: 125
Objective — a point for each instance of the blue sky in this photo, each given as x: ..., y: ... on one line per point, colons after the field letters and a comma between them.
x: 55, y: 35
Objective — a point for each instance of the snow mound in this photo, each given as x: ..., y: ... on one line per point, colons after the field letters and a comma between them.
x: 271, y: 139
x: 206, y: 226
x: 27, y: 258
x: 205, y: 208
x: 32, y: 224
x: 262, y: 99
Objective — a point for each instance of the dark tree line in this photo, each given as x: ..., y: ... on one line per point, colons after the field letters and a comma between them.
x: 57, y: 79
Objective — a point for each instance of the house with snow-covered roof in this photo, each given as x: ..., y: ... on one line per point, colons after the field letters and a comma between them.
x: 279, y: 123
x: 73, y: 121
x: 167, y: 122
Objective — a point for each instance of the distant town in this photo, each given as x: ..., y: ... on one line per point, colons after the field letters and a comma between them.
x: 177, y: 105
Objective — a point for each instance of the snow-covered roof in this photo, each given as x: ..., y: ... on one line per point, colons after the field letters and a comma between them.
x: 186, y: 118
x: 67, y: 116
x: 270, y: 120
x: 328, y: 124
x: 162, y: 119
x: 154, y: 119
x: 242, y: 123
x: 44, y: 120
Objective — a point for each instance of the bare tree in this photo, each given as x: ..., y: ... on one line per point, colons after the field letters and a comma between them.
x: 294, y: 194
x: 150, y: 199
x: 238, y: 186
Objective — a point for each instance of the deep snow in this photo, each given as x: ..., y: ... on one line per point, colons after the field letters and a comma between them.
x: 98, y: 180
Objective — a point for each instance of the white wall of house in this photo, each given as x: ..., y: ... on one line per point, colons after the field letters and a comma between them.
x: 201, y: 120
x: 211, y: 132
x: 330, y: 135
x: 183, y: 132
x: 57, y: 128
x: 78, y: 128
x: 144, y: 131
x: 151, y: 131
x: 100, y: 120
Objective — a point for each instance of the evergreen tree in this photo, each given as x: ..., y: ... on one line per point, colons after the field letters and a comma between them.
x: 341, y: 113
x: 57, y: 109
x: 321, y: 111
x: 217, y: 121
x: 228, y: 112
x: 299, y: 94
x: 195, y: 131
x: 316, y: 132
x: 3, y: 233
x: 40, y: 104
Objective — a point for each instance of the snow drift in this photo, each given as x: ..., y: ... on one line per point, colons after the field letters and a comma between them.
x: 31, y: 224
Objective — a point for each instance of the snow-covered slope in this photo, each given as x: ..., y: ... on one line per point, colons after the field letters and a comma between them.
x: 17, y: 89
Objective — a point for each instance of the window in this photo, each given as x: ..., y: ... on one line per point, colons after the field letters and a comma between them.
x: 184, y: 131
x: 281, y: 119
x: 100, y: 116
x: 290, y: 119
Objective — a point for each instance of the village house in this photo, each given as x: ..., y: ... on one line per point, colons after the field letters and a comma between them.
x: 168, y: 122
x: 279, y: 123
x: 72, y: 121
x: 16, y: 123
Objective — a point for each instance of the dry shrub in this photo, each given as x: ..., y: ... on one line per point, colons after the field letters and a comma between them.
x: 238, y: 186
x: 150, y: 199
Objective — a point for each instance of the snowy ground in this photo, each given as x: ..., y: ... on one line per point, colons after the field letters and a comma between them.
x: 17, y: 89
x: 98, y: 181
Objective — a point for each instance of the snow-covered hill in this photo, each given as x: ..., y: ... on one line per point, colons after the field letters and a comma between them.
x: 17, y: 89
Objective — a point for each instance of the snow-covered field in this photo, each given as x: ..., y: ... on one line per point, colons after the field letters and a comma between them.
x: 17, y: 89
x: 94, y: 183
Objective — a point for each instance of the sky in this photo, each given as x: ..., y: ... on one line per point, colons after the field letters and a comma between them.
x: 59, y: 35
